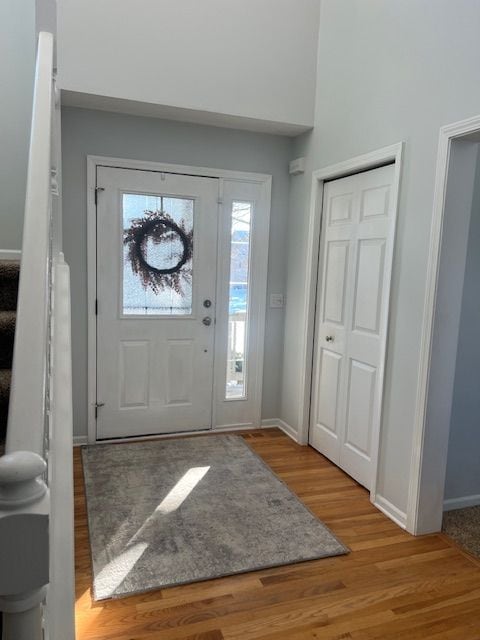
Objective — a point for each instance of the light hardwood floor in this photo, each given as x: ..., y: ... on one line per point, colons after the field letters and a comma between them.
x: 391, y: 586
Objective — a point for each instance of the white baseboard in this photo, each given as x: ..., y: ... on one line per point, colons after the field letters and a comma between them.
x: 81, y: 440
x: 461, y: 503
x: 270, y: 422
x: 78, y: 441
x: 391, y: 511
x: 281, y: 424
x: 10, y: 254
x: 231, y: 427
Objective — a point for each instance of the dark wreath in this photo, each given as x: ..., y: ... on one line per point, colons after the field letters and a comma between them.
x: 159, y: 227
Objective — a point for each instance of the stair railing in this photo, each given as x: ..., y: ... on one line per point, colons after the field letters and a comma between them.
x: 36, y: 476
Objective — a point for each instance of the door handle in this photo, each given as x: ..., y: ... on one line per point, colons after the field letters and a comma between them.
x: 207, y: 321
x: 329, y: 338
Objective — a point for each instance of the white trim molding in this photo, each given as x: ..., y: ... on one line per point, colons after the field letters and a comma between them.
x: 283, y: 426
x: 422, y: 474
x: 371, y: 160
x: 267, y: 423
x: 264, y: 181
x: 391, y: 511
x: 461, y: 503
x: 79, y: 441
x: 164, y: 167
x: 11, y: 254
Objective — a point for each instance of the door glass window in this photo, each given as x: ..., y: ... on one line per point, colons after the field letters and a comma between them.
x: 238, y: 308
x: 157, y: 255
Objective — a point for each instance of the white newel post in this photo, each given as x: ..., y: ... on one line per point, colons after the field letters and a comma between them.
x: 24, y: 557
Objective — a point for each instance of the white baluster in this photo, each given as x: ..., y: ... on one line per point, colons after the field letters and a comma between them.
x: 24, y: 558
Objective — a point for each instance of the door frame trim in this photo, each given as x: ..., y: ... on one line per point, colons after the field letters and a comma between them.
x: 424, y: 471
x: 94, y: 161
x: 371, y: 160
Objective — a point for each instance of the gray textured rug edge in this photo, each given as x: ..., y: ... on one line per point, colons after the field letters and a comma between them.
x: 332, y: 545
x: 346, y: 549
x: 207, y: 578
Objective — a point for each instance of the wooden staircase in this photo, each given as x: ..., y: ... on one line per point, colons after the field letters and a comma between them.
x: 9, y: 272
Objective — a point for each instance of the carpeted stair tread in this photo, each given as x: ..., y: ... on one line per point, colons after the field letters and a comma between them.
x: 5, y: 379
x: 7, y: 335
x: 9, y: 273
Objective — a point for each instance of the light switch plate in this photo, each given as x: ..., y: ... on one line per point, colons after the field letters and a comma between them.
x: 277, y: 300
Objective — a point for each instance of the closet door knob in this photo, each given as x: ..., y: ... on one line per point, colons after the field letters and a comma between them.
x: 329, y: 338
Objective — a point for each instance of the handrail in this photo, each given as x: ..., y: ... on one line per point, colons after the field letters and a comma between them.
x: 36, y: 474
x: 27, y: 411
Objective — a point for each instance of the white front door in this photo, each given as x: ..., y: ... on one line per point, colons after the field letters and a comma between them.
x: 156, y: 285
x: 358, y: 229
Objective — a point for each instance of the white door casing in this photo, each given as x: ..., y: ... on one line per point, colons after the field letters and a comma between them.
x: 154, y: 372
x: 356, y: 250
x: 233, y: 187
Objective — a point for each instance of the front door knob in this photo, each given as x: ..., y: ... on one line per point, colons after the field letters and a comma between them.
x: 207, y: 321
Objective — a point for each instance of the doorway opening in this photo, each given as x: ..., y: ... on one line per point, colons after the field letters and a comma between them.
x: 446, y: 475
x: 176, y: 328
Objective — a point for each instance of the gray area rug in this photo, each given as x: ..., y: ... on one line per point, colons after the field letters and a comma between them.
x: 463, y: 525
x: 170, y: 512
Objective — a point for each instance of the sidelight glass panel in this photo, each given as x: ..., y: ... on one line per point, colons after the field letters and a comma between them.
x: 157, y: 255
x: 238, y: 307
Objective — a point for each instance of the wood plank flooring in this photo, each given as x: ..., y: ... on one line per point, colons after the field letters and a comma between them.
x: 392, y: 586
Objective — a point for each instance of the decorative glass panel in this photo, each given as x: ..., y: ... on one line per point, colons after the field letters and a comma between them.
x: 238, y: 300
x: 157, y: 255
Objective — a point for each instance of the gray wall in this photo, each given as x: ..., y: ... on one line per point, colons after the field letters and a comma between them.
x: 17, y: 63
x: 463, y: 463
x: 110, y: 134
x: 387, y: 71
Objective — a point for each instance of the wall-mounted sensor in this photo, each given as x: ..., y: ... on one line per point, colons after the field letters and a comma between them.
x: 296, y: 166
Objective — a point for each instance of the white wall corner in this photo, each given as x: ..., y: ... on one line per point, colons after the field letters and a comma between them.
x: 391, y: 511
x: 283, y: 426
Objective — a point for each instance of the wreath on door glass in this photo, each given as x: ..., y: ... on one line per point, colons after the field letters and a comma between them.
x: 158, y: 228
